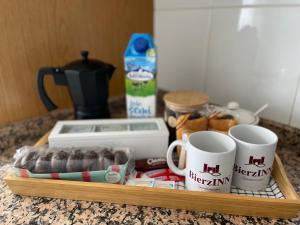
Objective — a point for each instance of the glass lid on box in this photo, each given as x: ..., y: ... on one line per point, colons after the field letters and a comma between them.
x: 70, y: 129
x: 113, y: 127
x: 143, y: 126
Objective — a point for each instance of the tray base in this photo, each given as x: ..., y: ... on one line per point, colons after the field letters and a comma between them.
x: 181, y: 199
x: 158, y: 197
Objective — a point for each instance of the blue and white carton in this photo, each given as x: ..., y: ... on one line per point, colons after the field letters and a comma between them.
x: 140, y: 77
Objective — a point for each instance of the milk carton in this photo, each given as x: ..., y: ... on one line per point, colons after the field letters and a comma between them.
x: 140, y: 80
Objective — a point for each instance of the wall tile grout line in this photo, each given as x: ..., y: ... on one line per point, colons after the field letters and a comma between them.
x: 227, y: 7
x: 207, y: 50
x: 294, y: 101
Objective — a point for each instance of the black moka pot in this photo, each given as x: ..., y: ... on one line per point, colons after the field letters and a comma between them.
x: 88, y: 83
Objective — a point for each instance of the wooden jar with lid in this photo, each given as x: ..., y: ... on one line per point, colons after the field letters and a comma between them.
x: 184, y: 112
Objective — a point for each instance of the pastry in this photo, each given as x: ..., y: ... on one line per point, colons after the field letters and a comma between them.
x: 90, y: 161
x: 190, y: 122
x: 43, y: 163
x: 27, y: 161
x: 59, y: 161
x: 120, y: 158
x: 106, y: 159
x: 17, y: 163
x: 74, y: 163
x: 221, y: 122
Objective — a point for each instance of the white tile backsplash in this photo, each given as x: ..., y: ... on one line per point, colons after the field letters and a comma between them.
x: 253, y: 58
x: 247, y: 51
x: 254, y: 3
x: 181, y: 48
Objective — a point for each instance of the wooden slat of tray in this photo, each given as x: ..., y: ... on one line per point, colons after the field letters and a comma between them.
x: 278, y: 173
x: 178, y: 199
x: 202, y: 201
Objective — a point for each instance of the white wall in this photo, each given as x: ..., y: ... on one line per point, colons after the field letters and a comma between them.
x: 247, y: 51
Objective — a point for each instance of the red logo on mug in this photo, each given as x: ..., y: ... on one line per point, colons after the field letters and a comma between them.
x: 256, y: 162
x: 214, y: 171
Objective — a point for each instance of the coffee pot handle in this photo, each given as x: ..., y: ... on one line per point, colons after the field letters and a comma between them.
x: 59, y: 78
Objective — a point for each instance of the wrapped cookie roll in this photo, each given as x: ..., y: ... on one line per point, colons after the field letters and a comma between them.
x: 150, y: 164
x: 42, y: 160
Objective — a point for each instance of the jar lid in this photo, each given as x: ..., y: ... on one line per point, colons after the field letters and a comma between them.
x: 185, y: 101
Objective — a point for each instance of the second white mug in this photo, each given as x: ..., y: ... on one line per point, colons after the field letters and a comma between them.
x: 254, y: 156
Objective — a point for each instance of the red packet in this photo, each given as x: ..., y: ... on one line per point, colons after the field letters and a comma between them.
x: 162, y: 174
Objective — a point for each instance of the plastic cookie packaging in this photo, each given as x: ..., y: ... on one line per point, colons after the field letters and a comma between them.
x: 96, y: 164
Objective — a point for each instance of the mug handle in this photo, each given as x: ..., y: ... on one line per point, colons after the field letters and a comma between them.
x: 170, y: 162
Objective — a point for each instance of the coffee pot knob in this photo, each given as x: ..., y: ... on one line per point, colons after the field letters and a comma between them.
x: 84, y: 55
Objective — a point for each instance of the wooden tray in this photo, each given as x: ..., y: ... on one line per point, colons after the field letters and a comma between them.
x: 157, y: 197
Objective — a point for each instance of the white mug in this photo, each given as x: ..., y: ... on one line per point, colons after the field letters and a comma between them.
x: 254, y: 156
x: 209, y: 161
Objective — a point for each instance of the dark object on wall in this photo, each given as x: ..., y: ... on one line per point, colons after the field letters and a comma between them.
x: 87, y: 81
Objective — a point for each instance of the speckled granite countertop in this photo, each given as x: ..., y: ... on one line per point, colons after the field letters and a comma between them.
x: 15, y: 209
